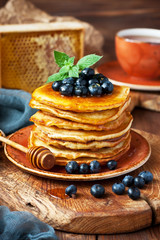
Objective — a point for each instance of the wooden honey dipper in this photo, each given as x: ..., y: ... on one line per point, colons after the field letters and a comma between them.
x: 38, y: 156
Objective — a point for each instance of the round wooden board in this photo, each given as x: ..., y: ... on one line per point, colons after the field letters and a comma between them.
x: 137, y: 155
x: 84, y: 214
x: 117, y: 75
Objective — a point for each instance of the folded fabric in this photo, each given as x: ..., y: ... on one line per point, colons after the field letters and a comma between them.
x: 14, y: 110
x: 19, y: 225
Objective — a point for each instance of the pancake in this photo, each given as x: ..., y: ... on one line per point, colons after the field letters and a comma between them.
x: 87, y: 160
x: 47, y: 96
x: 94, y: 118
x: 74, y: 154
x: 48, y: 120
x: 94, y: 145
x: 86, y: 136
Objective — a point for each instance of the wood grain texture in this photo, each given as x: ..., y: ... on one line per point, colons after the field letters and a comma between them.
x: 71, y: 236
x: 85, y: 214
x: 145, y: 100
x: 151, y: 233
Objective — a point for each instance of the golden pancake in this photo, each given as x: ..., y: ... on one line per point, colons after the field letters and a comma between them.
x: 46, y: 95
x: 94, y: 118
x: 94, y: 145
x: 73, y: 154
x: 48, y: 120
x: 87, y: 160
x: 86, y: 136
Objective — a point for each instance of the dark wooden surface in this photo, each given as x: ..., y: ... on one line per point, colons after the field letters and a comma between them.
x: 109, y: 17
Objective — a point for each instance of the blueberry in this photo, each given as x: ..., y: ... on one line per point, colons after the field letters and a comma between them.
x: 97, y: 190
x: 81, y: 82
x: 148, y: 176
x: 69, y: 80
x: 84, y: 168
x: 118, y: 188
x: 128, y: 181
x: 104, y: 80
x: 110, y: 87
x: 111, y: 165
x: 107, y: 87
x: 95, y: 166
x: 99, y: 76
x: 93, y: 80
x: 87, y: 73
x: 139, y: 182
x: 80, y: 90
x: 66, y: 89
x: 134, y: 193
x: 95, y: 89
x: 70, y: 190
x: 72, y: 167
x: 56, y: 85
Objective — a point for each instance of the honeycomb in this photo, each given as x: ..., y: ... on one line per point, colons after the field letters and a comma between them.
x: 27, y: 58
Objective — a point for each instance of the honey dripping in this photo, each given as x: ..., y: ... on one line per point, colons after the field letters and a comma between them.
x: 58, y: 193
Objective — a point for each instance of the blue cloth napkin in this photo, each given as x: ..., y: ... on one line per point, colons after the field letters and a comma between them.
x: 14, y: 110
x: 19, y: 225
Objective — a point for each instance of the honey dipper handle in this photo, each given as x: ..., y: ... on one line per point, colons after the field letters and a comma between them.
x: 13, y: 144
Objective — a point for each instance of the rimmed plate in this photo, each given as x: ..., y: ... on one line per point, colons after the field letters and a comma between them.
x: 136, y: 156
x: 119, y: 77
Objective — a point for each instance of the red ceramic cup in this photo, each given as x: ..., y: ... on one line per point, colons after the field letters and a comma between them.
x: 138, y: 51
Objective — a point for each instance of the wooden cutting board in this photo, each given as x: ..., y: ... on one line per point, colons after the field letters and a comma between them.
x: 145, y: 100
x: 84, y: 214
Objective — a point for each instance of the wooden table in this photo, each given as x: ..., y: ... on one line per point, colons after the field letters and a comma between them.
x: 109, y: 17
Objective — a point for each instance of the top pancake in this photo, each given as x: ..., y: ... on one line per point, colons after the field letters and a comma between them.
x: 46, y: 95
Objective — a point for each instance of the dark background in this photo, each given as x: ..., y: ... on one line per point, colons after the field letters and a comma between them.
x: 108, y: 16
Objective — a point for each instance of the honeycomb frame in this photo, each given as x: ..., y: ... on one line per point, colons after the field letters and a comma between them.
x: 26, y: 52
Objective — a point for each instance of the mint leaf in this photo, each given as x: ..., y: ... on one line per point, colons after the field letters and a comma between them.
x: 71, y: 60
x: 55, y: 77
x: 74, y: 71
x: 60, y: 58
x: 88, y: 61
x: 64, y: 69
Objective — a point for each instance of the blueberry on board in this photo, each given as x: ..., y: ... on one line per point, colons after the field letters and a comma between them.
x: 118, y: 188
x: 80, y: 91
x: 93, y: 80
x: 81, y: 82
x: 94, y: 166
x: 139, y: 182
x: 111, y: 165
x: 97, y: 190
x: 66, y: 89
x: 69, y: 80
x: 72, y: 167
x: 70, y: 190
x: 87, y: 73
x: 128, y: 181
x: 84, y: 168
x: 56, y: 85
x: 134, y: 193
x: 148, y: 176
x: 95, y: 89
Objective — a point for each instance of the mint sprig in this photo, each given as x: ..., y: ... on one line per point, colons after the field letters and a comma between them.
x: 67, y: 67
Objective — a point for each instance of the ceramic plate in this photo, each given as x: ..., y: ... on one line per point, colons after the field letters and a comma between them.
x: 137, y: 155
x: 113, y: 71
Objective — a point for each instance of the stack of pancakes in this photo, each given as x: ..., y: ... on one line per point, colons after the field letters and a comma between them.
x: 81, y: 128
